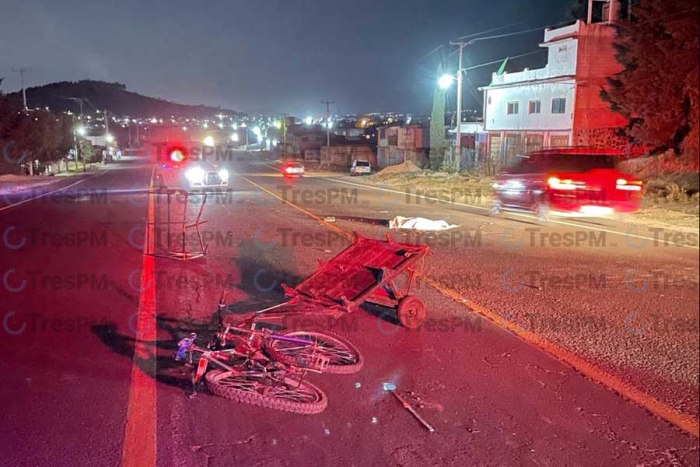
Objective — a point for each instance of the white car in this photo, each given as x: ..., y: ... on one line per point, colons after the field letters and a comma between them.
x: 191, y: 175
x: 360, y: 167
x: 293, y: 169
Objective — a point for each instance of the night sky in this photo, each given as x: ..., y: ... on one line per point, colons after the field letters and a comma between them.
x: 266, y: 55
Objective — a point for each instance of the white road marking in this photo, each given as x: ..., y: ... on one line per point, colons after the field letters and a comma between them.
x: 10, y: 206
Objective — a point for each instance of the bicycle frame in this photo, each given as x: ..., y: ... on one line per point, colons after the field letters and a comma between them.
x: 252, y: 355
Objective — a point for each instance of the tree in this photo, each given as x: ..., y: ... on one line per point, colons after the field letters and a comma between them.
x: 87, y: 151
x: 38, y: 135
x: 657, y: 91
x: 437, y: 126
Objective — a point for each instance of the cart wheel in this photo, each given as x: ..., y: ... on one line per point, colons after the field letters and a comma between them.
x: 411, y: 312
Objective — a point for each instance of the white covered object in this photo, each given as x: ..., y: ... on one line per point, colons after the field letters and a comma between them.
x: 419, y: 223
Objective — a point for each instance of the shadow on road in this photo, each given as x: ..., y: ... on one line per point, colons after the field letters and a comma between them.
x: 158, y: 354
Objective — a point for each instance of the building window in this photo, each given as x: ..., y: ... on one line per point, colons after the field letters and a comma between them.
x: 534, y: 107
x: 559, y: 105
x: 305, y: 139
x: 513, y: 108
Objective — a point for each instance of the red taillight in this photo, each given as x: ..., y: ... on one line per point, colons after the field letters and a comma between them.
x: 556, y: 183
x: 628, y: 185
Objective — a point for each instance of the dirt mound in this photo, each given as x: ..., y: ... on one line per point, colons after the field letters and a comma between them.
x: 405, y: 167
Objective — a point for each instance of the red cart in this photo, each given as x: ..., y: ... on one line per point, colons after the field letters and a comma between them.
x: 366, y: 271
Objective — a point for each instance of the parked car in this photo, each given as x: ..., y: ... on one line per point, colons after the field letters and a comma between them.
x: 360, y: 167
x: 292, y: 169
x: 190, y: 174
x: 573, y: 182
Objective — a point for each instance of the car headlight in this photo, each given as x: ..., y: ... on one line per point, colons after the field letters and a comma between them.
x: 223, y: 174
x: 195, y: 174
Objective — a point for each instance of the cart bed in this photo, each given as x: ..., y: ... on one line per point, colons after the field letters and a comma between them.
x: 360, y: 270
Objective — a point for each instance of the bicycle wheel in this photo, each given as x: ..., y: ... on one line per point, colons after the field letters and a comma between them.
x: 344, y: 358
x: 259, y: 388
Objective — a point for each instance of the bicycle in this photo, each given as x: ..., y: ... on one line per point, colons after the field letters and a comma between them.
x: 267, y: 369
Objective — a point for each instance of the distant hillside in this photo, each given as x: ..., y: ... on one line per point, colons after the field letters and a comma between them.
x: 111, y: 96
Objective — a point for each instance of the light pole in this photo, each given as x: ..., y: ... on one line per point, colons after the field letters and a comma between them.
x: 445, y: 81
x: 328, y: 124
x: 284, y: 137
x: 458, y: 130
x: 79, y: 131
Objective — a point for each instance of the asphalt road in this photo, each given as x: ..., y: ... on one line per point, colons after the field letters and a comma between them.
x: 82, y: 389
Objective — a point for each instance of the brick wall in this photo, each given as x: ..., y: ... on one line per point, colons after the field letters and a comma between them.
x: 596, y: 62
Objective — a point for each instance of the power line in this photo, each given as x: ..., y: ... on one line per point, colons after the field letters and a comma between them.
x: 501, y: 60
x: 493, y: 30
x: 509, y: 34
x: 473, y: 92
x: 475, y: 35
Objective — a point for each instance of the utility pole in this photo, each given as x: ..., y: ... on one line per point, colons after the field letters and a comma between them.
x: 284, y: 136
x: 458, y: 129
x: 328, y: 123
x: 21, y: 72
x: 79, y: 100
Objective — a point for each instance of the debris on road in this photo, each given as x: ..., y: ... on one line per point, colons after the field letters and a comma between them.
x: 408, y: 407
x: 419, y: 223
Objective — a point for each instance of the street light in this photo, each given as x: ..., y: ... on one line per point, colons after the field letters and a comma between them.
x: 110, y: 139
x: 209, y: 141
x: 234, y: 137
x: 445, y: 81
x: 80, y: 130
x: 308, y: 120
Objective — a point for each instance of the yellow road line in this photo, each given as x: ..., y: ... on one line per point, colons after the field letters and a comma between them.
x: 139, y: 448
x: 681, y: 420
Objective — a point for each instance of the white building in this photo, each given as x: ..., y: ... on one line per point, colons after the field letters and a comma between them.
x: 560, y: 104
